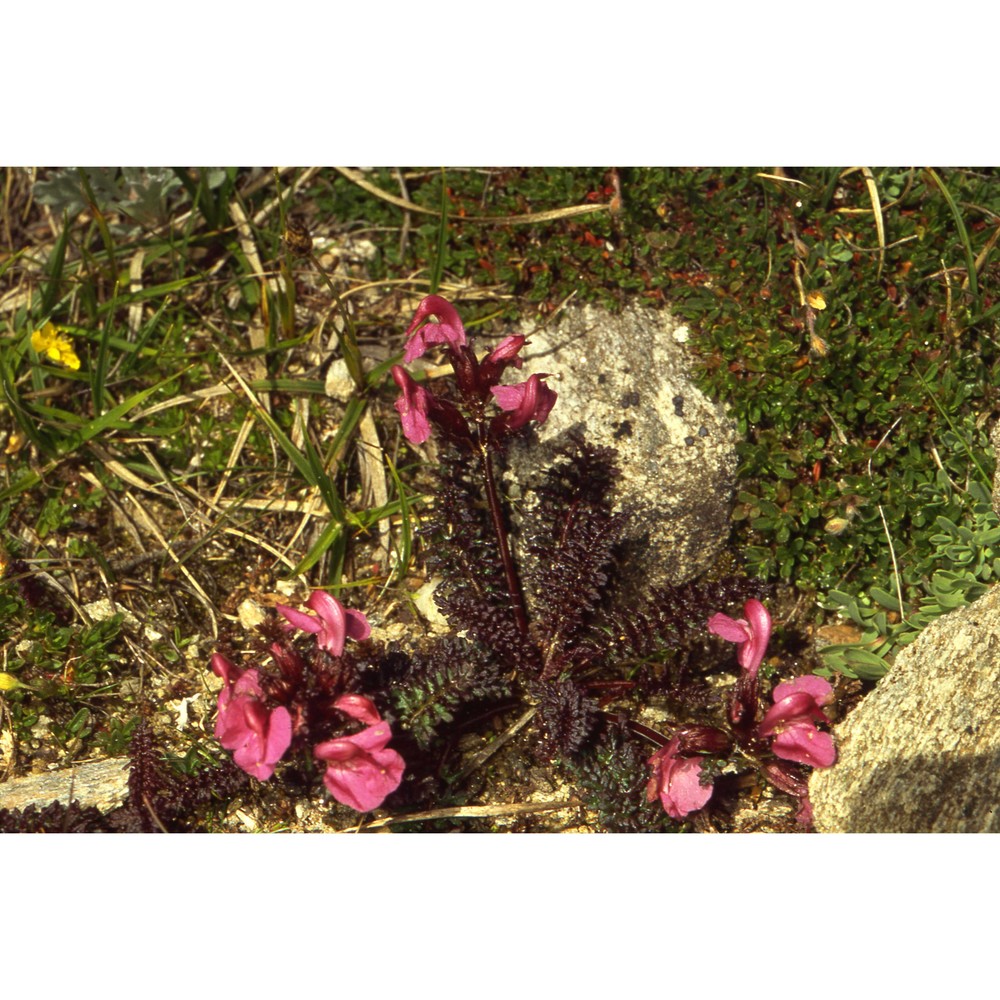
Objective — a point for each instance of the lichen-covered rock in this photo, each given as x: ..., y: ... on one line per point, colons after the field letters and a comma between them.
x: 921, y: 753
x: 100, y: 783
x: 623, y: 380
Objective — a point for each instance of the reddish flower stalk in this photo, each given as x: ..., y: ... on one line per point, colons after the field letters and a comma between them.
x: 469, y: 425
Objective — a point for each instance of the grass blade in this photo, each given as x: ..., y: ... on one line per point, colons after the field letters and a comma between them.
x: 57, y: 261
x: 963, y: 235
x: 879, y: 221
x: 442, y: 237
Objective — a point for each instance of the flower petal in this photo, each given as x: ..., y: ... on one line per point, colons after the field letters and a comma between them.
x: 820, y: 689
x: 412, y: 407
x: 223, y: 667
x: 729, y: 628
x: 357, y: 706
x: 677, y: 782
x: 805, y: 744
x: 299, y: 619
x: 752, y: 655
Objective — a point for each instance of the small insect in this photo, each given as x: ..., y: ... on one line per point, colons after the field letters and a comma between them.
x: 297, y: 238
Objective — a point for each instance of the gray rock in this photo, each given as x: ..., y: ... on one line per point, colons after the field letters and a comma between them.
x: 100, y: 783
x: 623, y: 380
x: 995, y: 442
x: 921, y: 753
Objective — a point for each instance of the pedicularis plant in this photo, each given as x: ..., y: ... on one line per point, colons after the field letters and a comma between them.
x: 545, y: 631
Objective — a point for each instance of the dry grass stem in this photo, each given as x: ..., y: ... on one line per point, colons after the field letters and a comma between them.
x: 468, y: 812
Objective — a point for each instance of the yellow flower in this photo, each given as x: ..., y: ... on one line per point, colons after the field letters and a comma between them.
x: 49, y: 342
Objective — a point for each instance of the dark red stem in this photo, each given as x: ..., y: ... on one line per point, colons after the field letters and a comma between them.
x: 500, y: 527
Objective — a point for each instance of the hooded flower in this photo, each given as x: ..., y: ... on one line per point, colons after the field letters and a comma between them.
x: 677, y: 782
x: 333, y: 623
x: 448, y: 330
x: 258, y: 737
x: 751, y: 634
x: 360, y: 770
x: 790, y: 722
x: 529, y: 400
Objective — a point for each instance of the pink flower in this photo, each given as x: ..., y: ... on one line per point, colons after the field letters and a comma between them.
x: 790, y: 722
x: 677, y: 782
x: 361, y: 771
x: 448, y: 330
x: 751, y: 634
x: 530, y: 400
x: 257, y: 737
x: 412, y: 406
x: 333, y: 623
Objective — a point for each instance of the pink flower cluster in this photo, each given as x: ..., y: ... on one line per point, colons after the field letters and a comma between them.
x: 360, y: 768
x: 787, y: 730
x: 677, y: 781
x: 257, y: 736
x: 790, y: 722
x: 418, y: 408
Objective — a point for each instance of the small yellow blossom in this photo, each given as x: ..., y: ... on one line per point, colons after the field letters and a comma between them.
x: 8, y: 682
x: 15, y: 442
x: 816, y: 300
x: 49, y: 342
